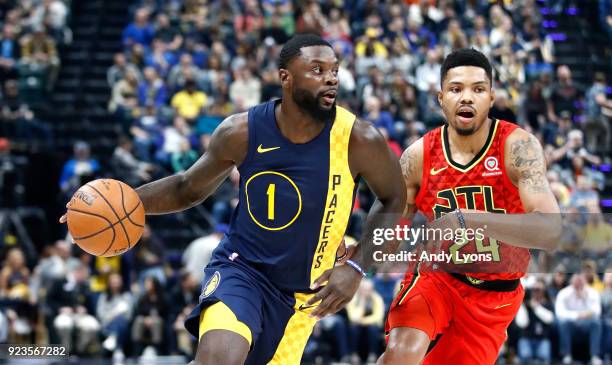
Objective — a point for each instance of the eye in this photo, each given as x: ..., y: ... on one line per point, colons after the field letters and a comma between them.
x: 317, y: 69
x: 454, y: 90
x: 335, y: 71
x: 480, y: 89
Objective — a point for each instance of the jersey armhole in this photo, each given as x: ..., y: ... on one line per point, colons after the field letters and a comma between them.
x: 251, y: 142
x: 424, y: 170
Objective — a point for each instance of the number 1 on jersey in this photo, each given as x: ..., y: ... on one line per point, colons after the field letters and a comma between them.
x: 270, y: 193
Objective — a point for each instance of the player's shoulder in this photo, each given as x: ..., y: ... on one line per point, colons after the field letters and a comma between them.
x: 365, y: 133
x: 411, y: 160
x: 231, y: 138
x: 520, y: 137
x: 234, y: 126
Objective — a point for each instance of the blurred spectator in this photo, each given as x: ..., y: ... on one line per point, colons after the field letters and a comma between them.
x: 366, y: 311
x: 597, y: 235
x: 599, y: 116
x: 428, y: 74
x: 173, y: 138
x: 168, y: 34
x: 591, y: 276
x: 183, y: 71
x: 120, y: 69
x: 39, y: 54
x: 15, y: 276
x: 78, y: 170
x: 380, y: 119
x: 605, y: 16
x: 52, y: 14
x: 578, y: 309
x: 9, y: 53
x: 501, y: 108
x: 189, y: 102
x: 197, y: 254
x: 124, y: 96
x: 141, y: 31
x: 606, y: 305
x: 565, y: 94
x: 183, y: 159
x: 574, y: 146
x: 152, y: 91
x: 149, y: 257
x: 584, y: 196
x: 245, y: 90
x: 535, y: 317
x: 71, y: 307
x: 126, y: 167
x: 182, y: 298
x: 151, y: 309
x: 114, y: 310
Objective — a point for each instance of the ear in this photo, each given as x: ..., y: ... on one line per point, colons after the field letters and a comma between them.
x: 284, y: 76
x: 440, y: 97
x: 492, y: 98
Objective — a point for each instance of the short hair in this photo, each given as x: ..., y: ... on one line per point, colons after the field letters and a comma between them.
x: 466, y: 57
x: 292, y: 48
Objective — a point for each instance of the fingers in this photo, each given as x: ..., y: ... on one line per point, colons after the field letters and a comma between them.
x: 321, y: 279
x: 63, y: 219
x: 319, y: 296
x: 329, y: 305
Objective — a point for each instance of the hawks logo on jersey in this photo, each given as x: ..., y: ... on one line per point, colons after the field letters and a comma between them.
x: 481, y: 184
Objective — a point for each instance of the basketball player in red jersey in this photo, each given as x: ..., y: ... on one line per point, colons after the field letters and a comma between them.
x: 472, y: 164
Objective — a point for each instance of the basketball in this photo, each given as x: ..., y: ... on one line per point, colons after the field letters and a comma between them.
x: 105, y: 217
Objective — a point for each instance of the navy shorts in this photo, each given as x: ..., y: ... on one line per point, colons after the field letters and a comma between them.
x: 279, y: 326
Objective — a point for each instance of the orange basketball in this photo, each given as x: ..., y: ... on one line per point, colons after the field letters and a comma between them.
x: 105, y: 217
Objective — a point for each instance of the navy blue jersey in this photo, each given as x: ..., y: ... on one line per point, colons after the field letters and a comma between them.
x: 295, y: 200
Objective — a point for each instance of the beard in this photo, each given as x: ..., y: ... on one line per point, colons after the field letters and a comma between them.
x: 465, y: 132
x: 312, y: 105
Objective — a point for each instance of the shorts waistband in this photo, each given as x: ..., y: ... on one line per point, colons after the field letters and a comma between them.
x: 489, y: 285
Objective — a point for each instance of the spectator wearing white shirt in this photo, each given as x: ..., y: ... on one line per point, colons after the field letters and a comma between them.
x: 578, y: 309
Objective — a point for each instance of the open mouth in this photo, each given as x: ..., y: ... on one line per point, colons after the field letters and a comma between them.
x: 466, y: 115
x: 329, y: 97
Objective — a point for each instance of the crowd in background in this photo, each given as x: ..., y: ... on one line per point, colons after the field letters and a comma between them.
x: 188, y: 64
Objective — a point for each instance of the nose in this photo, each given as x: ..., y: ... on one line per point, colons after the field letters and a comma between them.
x: 467, y: 97
x: 331, y: 78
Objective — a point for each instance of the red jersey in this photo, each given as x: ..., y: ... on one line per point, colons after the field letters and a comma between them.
x: 482, y: 184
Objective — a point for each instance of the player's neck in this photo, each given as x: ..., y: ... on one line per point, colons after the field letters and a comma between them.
x: 472, y: 143
x: 295, y: 124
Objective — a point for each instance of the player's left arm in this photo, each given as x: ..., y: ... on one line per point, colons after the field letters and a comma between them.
x: 370, y: 158
x: 540, y: 225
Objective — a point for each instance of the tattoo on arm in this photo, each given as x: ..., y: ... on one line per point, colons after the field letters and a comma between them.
x: 408, y: 163
x: 527, y: 158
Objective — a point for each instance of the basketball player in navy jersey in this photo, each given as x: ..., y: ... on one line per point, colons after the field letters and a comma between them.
x: 299, y: 159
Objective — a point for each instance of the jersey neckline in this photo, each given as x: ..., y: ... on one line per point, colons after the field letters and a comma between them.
x: 481, y: 153
x: 286, y: 140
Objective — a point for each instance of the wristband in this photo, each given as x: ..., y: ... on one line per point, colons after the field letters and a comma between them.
x: 461, y: 219
x: 355, y: 266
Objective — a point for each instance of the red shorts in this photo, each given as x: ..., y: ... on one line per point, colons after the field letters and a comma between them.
x: 469, y: 324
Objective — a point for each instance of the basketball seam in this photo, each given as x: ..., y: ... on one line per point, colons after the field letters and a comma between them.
x: 116, y: 215
x: 126, y: 212
x: 106, y: 219
x: 111, y: 225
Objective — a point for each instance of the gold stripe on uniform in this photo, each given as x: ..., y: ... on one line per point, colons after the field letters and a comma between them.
x: 339, y: 195
x: 297, y: 332
x: 338, y: 207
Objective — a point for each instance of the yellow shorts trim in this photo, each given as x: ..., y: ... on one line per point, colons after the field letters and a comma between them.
x: 219, y: 317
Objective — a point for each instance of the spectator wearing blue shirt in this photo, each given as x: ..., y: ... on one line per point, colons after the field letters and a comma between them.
x: 380, y: 119
x: 9, y: 53
x: 152, y: 91
x: 141, y: 31
x: 78, y: 170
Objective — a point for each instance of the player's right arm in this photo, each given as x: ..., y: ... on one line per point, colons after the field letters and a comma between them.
x: 228, y: 148
x: 411, y: 163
